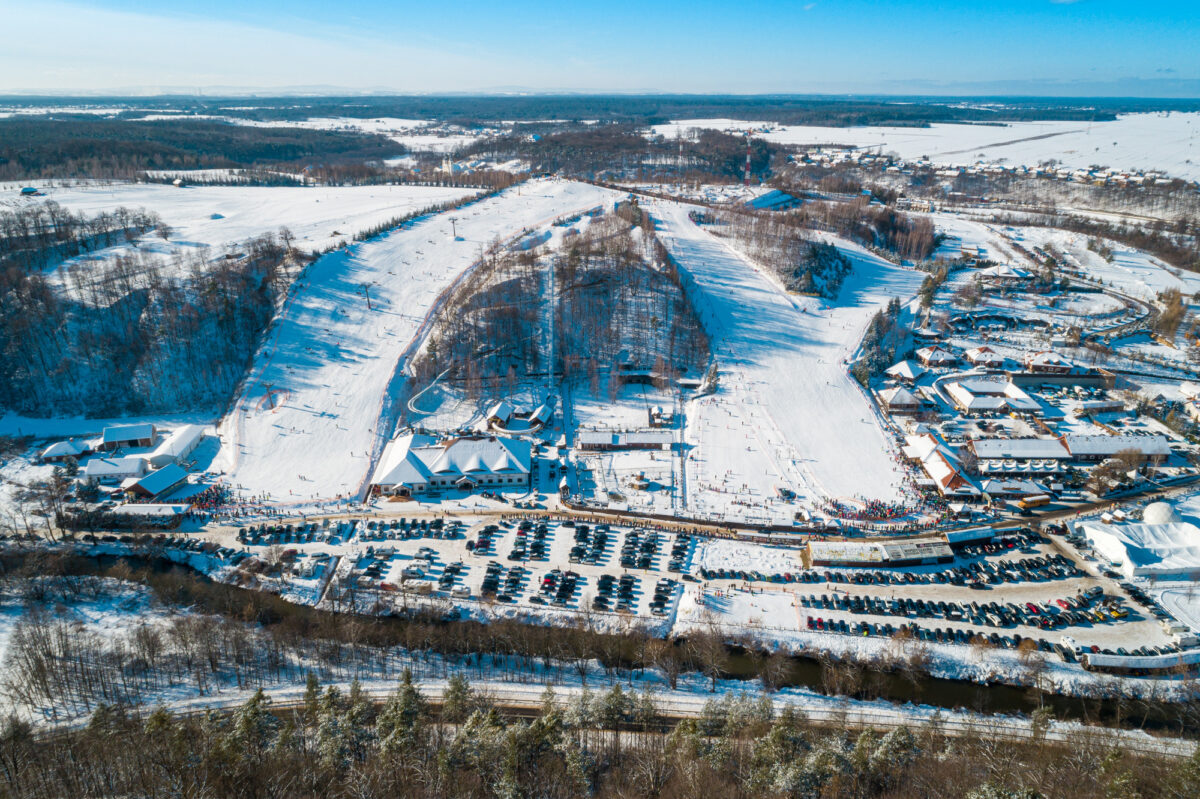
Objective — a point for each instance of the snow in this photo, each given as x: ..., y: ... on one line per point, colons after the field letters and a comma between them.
x: 218, y: 216
x: 329, y: 361
x: 1131, y: 271
x: 719, y: 553
x: 786, y: 411
x: 1168, y: 142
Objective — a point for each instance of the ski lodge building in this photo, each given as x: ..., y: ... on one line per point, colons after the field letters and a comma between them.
x: 416, y: 463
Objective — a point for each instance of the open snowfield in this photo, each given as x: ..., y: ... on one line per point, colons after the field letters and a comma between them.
x: 1169, y: 142
x: 786, y: 412
x: 217, y: 216
x: 332, y: 366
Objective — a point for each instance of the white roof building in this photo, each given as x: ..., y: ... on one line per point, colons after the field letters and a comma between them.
x: 899, y: 398
x: 940, y: 464
x: 1161, y: 546
x: 1019, y: 449
x: 160, y: 481
x: 64, y: 449
x: 984, y: 356
x: 936, y: 356
x: 990, y: 394
x: 906, y: 370
x: 127, y: 434
x: 111, y: 470
x: 415, y: 462
x: 1005, y: 272
x: 178, y: 445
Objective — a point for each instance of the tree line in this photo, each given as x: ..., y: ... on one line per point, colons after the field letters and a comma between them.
x: 40, y: 235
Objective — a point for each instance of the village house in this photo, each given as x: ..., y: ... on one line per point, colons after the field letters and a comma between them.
x: 935, y: 356
x: 114, y: 470
x: 985, y: 358
x: 899, y: 401
x: 905, y: 372
x: 159, y: 482
x: 1047, y: 362
x: 127, y: 435
x: 180, y: 443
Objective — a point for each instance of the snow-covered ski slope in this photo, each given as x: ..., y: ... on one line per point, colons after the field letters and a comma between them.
x: 328, y: 361
x: 1166, y: 141
x: 217, y: 216
x: 786, y: 413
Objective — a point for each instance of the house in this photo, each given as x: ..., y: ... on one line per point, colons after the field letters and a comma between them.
x: 1153, y: 449
x: 500, y: 413
x: 1047, y: 362
x: 905, y: 372
x: 127, y: 435
x: 114, y: 470
x: 899, y: 400
x: 658, y: 417
x: 177, y: 445
x: 415, y: 463
x: 62, y: 451
x: 974, y: 395
x: 943, y: 468
x: 936, y: 356
x: 985, y: 358
x: 159, y: 482
x: 1004, y: 273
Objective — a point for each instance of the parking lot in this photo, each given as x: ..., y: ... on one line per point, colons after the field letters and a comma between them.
x: 538, y: 565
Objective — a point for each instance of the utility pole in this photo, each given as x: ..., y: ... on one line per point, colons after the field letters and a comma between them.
x: 366, y: 288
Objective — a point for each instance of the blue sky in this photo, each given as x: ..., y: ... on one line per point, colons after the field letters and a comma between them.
x: 831, y: 46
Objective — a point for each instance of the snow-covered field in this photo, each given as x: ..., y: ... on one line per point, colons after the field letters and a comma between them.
x: 217, y: 216
x: 786, y: 412
x: 315, y: 409
x: 1167, y: 141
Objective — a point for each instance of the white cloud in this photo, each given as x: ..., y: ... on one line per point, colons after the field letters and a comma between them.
x: 66, y: 46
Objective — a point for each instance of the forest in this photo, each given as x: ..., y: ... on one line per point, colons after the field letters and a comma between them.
x: 804, y: 263
x: 641, y: 109
x: 138, y: 332
x: 52, y: 148
x: 613, y: 302
x: 594, y: 150
x: 337, y: 742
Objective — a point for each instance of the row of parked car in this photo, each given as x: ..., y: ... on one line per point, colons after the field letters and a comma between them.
x: 557, y: 588
x: 346, y: 530
x: 530, y: 541
x: 503, y: 584
x: 638, y: 549
x: 234, y: 556
x: 625, y: 589
x: 1085, y: 608
x: 941, y: 635
x: 589, y: 544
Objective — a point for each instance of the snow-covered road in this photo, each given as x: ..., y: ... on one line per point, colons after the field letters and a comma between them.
x: 308, y: 419
x: 786, y: 412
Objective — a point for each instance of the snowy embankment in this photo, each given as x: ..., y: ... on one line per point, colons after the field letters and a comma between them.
x: 307, y: 423
x: 786, y: 412
x: 220, y: 216
x: 1169, y: 142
